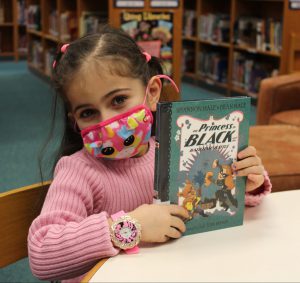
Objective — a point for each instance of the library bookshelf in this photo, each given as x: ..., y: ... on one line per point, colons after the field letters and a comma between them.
x: 233, y: 44
x: 52, y: 23
x: 13, y: 40
x: 46, y: 29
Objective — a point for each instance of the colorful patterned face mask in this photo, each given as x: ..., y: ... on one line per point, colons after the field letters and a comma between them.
x: 122, y: 136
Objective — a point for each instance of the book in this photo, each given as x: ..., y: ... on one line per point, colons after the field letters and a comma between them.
x: 196, y: 143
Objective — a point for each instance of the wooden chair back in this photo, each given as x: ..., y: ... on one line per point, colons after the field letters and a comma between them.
x: 294, y: 53
x: 169, y: 93
x: 18, y: 208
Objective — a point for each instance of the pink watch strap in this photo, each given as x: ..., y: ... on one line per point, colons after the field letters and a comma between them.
x: 115, y: 217
x: 134, y: 250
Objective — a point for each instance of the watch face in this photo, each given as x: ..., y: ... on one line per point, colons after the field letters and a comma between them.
x: 126, y: 233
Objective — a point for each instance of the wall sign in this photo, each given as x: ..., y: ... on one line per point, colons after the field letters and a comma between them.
x: 153, y: 32
x: 164, y: 3
x: 129, y: 3
x: 294, y: 4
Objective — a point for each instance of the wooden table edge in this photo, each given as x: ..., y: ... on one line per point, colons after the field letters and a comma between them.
x: 92, y: 272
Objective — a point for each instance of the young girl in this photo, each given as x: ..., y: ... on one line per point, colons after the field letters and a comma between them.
x: 105, y: 79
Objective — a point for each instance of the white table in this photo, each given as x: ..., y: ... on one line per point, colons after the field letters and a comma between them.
x: 265, y: 248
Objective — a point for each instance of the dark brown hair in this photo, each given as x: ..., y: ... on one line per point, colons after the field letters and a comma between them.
x: 108, y: 45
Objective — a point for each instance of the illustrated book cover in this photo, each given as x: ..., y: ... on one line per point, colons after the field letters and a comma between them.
x: 196, y: 143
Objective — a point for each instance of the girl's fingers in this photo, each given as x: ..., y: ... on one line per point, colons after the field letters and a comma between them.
x: 174, y: 233
x: 249, y: 151
x: 254, y: 181
x: 247, y: 162
x: 177, y: 210
x: 178, y: 224
x: 257, y: 170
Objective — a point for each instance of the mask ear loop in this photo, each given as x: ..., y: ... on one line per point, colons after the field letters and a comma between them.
x: 162, y: 77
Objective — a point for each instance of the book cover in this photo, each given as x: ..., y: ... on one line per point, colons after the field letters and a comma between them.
x: 196, y: 143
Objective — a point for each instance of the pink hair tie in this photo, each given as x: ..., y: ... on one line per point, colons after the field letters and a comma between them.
x: 54, y: 64
x: 64, y: 48
x: 148, y: 56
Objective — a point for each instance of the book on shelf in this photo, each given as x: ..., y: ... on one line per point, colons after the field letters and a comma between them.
x: 68, y: 26
x: 34, y: 17
x: 22, y: 44
x: 189, y: 23
x: 214, y: 27
x: 21, y: 12
x: 54, y: 23
x: 196, y: 144
x: 36, y: 54
x: 90, y: 22
x: 49, y: 59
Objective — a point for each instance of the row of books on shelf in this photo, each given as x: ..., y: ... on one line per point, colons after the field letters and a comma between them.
x: 40, y: 58
x: 213, y: 65
x: 214, y: 27
x: 264, y: 34
x: 261, y: 34
x: 247, y: 71
x: 66, y: 24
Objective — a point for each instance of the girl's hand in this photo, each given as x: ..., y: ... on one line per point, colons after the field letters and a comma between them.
x: 250, y: 165
x: 160, y: 222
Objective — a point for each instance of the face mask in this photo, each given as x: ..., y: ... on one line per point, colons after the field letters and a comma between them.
x: 122, y: 136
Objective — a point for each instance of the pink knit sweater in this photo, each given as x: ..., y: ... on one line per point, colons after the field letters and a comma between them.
x: 71, y: 234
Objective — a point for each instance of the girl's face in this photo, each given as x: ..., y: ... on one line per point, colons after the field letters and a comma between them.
x: 95, y: 96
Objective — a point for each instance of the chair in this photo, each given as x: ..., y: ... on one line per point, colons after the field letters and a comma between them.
x: 169, y: 93
x: 294, y: 52
x: 18, y: 208
x: 279, y: 148
x: 279, y: 100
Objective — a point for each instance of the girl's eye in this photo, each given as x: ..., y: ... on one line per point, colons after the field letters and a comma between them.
x: 118, y: 100
x: 87, y: 113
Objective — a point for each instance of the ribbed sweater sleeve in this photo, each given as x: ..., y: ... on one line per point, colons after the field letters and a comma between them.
x: 67, y: 239
x: 256, y: 199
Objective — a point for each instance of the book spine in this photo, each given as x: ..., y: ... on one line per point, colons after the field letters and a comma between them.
x: 162, y: 159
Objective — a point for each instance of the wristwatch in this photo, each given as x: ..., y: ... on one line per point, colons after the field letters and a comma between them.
x: 125, y: 232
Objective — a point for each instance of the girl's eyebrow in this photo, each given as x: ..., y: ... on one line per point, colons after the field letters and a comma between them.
x: 106, y: 96
x: 113, y: 92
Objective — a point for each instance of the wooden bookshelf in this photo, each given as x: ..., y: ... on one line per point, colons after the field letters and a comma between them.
x: 45, y: 36
x: 195, y: 43
x: 41, y: 37
x: 12, y: 30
